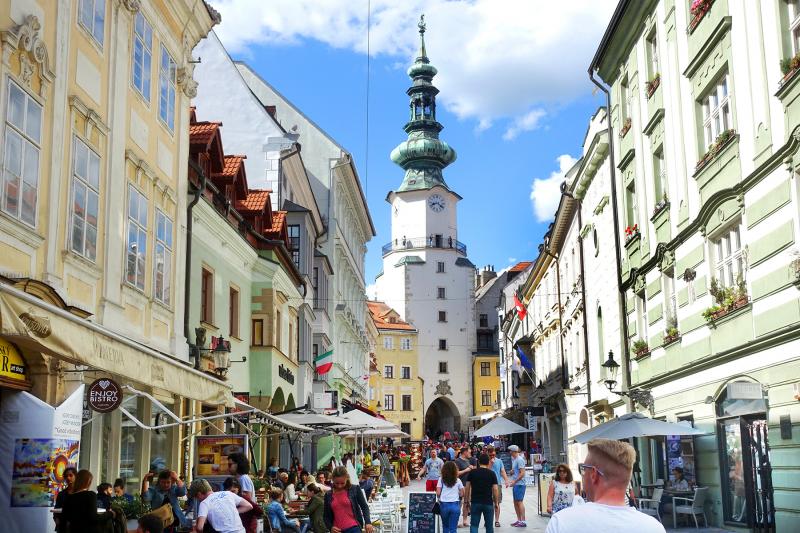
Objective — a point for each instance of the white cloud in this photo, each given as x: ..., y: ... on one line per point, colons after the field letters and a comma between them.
x: 496, y: 60
x: 527, y: 122
x: 545, y: 193
x: 512, y: 260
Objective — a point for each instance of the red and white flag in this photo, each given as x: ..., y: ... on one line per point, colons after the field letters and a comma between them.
x: 521, y: 311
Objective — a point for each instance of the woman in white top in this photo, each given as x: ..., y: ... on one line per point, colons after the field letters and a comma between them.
x: 562, y: 490
x: 450, y: 490
x: 289, y: 493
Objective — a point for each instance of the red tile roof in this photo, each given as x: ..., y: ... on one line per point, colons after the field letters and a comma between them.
x: 232, y: 165
x: 202, y: 132
x: 382, y: 314
x: 278, y: 229
x: 519, y: 267
x: 256, y: 201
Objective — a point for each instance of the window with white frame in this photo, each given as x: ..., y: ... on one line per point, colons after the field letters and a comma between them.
x: 388, y: 343
x: 659, y: 177
x: 21, y: 161
x: 388, y: 402
x: 652, y: 56
x: 142, y: 55
x: 162, y: 271
x: 486, y: 398
x: 92, y: 16
x: 167, y: 76
x: 405, y: 343
x: 641, y: 316
x: 441, y: 294
x: 794, y: 24
x: 716, y: 106
x: 670, y: 301
x: 405, y: 372
x: 440, y: 267
x: 85, y: 198
x: 630, y: 204
x: 623, y: 99
x: 729, y: 257
x: 388, y: 371
x: 137, y: 237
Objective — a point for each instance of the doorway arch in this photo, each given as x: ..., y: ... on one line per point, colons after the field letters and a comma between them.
x: 442, y: 415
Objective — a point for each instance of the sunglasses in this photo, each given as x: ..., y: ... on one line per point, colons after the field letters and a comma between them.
x: 583, y: 467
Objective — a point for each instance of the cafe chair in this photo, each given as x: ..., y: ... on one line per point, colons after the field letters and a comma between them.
x: 691, y: 506
x: 650, y: 505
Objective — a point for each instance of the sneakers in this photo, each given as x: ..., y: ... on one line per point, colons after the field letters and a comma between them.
x: 519, y: 523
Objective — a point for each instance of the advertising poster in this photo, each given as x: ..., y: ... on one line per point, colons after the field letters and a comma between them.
x: 212, y: 453
x: 37, y: 442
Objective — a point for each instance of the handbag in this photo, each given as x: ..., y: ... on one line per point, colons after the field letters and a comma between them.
x: 436, y: 509
x: 164, y: 513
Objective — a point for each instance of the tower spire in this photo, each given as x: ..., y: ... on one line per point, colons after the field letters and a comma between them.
x: 423, y: 155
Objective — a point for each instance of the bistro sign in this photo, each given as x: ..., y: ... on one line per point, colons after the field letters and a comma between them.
x: 104, y: 395
x: 286, y: 374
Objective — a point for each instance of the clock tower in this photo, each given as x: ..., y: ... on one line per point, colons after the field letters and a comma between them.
x: 426, y: 275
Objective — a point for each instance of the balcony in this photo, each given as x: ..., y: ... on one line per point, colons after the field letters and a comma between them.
x: 424, y: 242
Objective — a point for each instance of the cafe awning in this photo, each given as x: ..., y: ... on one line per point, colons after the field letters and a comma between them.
x: 34, y: 324
x: 263, y: 417
x: 635, y: 425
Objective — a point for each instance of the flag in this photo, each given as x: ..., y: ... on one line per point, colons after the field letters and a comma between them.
x: 365, y: 377
x: 323, y: 363
x: 521, y: 311
x: 523, y: 359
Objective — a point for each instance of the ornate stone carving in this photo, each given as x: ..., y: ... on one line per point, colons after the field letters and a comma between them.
x: 689, y: 275
x: 26, y: 68
x: 667, y: 260
x: 443, y: 388
x: 185, y: 72
x: 25, y: 39
x: 131, y: 5
x: 638, y: 283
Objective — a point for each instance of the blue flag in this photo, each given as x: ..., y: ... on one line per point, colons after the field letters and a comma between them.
x: 524, y: 361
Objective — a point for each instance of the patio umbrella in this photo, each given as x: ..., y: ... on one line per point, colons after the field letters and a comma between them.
x: 634, y: 425
x: 500, y: 426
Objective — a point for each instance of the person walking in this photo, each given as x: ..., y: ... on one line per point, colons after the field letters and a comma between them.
x: 562, y: 490
x: 346, y: 509
x: 499, y: 470
x: 481, y: 493
x: 450, y: 491
x: 220, y: 509
x: 605, y: 473
x: 465, y: 464
x: 517, y: 483
x: 433, y: 470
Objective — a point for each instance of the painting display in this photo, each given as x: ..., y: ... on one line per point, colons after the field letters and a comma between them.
x: 38, y: 472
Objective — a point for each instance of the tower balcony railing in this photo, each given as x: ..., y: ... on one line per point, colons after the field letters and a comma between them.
x: 425, y: 242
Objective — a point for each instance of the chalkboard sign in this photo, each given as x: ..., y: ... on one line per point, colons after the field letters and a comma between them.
x: 420, y: 512
x: 506, y: 458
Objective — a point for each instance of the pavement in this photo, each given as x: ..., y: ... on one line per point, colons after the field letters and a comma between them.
x: 535, y: 522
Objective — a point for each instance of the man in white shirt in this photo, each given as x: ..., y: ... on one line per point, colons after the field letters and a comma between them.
x: 606, y: 472
x: 221, y: 509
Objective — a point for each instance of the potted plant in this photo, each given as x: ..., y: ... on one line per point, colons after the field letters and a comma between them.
x: 789, y: 67
x: 653, y: 84
x: 672, y: 333
x: 132, y: 508
x: 728, y: 299
x: 640, y: 348
x: 715, y: 147
x: 631, y: 232
x: 660, y: 206
x: 626, y: 125
x: 698, y: 10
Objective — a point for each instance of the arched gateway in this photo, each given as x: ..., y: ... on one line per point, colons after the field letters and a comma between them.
x: 441, y: 416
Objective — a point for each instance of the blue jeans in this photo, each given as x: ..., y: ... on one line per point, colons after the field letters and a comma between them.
x: 478, y: 509
x: 450, y: 513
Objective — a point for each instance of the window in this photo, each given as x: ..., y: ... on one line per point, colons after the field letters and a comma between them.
x: 315, y: 284
x: 659, y: 177
x: 85, y: 195
x: 294, y: 243
x: 258, y: 332
x: 442, y: 344
x: 207, y: 297
x: 388, y: 402
x: 388, y: 343
x: 498, y: 368
x: 92, y: 15
x: 443, y: 367
x: 137, y: 237
x: 162, y: 272
x: 596, y: 242
x: 486, y: 368
x: 728, y: 257
x: 716, y: 111
x: 486, y: 398
x: 630, y: 204
x: 167, y: 76
x: 623, y: 99
x: 499, y: 399
x: 233, y: 312
x: 21, y: 162
x: 484, y: 341
x: 652, y: 56
x: 388, y: 371
x: 278, y: 328
x: 405, y: 427
x: 670, y: 302
x: 142, y: 55
x: 405, y: 343
x: 439, y: 267
x: 440, y: 293
x: 600, y: 340
x: 405, y: 372
x: 442, y: 316
x: 794, y: 25
x: 484, y: 320
x: 641, y: 316
x: 406, y: 402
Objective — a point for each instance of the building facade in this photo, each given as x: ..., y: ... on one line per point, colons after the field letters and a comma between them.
x: 426, y: 275
x: 703, y: 121
x: 395, y: 384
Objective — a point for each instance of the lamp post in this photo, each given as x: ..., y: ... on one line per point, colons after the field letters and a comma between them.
x: 644, y: 397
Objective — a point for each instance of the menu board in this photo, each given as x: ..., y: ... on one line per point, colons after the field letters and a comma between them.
x: 420, y: 512
x: 212, y: 451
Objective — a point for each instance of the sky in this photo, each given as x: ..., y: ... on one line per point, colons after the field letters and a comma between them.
x: 515, y: 97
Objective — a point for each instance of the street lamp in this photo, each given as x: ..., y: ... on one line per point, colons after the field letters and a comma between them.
x: 641, y: 396
x: 612, y: 369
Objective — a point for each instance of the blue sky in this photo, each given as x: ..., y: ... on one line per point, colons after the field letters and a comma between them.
x: 510, y: 112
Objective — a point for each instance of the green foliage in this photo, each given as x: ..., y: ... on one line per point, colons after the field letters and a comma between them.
x: 726, y: 298
x: 133, y: 508
x: 640, y: 346
x: 789, y: 65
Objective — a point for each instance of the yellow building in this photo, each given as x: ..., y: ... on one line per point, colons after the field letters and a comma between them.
x: 395, y: 385
x: 94, y: 120
x: 485, y: 383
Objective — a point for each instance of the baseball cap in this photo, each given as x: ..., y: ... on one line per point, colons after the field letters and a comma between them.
x: 513, y: 448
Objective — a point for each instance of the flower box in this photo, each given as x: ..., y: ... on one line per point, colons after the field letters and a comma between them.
x: 626, y: 126
x: 640, y: 349
x: 631, y: 232
x: 698, y: 10
x: 659, y: 207
x: 716, y: 312
x: 716, y: 147
x: 652, y: 85
x: 672, y: 335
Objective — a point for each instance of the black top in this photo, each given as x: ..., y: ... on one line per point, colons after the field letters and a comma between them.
x: 80, y: 511
x: 481, y: 481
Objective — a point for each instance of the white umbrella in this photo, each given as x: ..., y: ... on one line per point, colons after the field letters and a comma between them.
x: 500, y: 426
x: 634, y: 425
x: 313, y: 419
x: 358, y: 418
x: 380, y: 432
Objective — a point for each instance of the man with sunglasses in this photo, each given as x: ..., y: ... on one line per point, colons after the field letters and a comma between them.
x: 605, y: 472
x: 499, y: 470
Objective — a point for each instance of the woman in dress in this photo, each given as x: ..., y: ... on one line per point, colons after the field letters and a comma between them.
x: 562, y: 490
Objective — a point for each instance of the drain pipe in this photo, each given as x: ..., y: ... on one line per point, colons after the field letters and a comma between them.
x: 615, y: 211
x: 187, y: 283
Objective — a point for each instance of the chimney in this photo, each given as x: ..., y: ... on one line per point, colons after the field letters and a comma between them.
x: 486, y: 274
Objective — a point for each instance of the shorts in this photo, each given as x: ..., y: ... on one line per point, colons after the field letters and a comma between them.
x: 430, y: 485
x: 499, y: 494
x: 519, y: 492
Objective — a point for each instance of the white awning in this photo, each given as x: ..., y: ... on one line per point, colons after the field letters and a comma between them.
x: 500, y: 426
x: 263, y: 417
x: 487, y: 416
x: 382, y: 432
x: 317, y: 420
x: 358, y: 418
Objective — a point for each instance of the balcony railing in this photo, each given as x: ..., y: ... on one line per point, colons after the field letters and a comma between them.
x: 425, y: 242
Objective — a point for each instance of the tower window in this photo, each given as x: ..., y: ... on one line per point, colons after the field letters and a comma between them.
x: 443, y: 367
x: 440, y: 267
x: 442, y: 316
x: 440, y: 293
x: 442, y: 344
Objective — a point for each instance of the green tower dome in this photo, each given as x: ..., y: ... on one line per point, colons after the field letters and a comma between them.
x: 423, y: 155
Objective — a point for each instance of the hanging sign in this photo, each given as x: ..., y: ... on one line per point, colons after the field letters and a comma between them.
x: 12, y: 366
x: 104, y: 395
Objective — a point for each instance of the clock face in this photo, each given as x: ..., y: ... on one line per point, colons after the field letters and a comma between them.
x: 436, y: 203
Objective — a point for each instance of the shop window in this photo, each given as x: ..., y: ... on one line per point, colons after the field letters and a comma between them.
x: 131, y: 442
x: 142, y: 55
x: 207, y: 296
x: 21, y: 161
x: 405, y: 372
x: 161, y: 440
x: 85, y: 200
x: 486, y: 368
